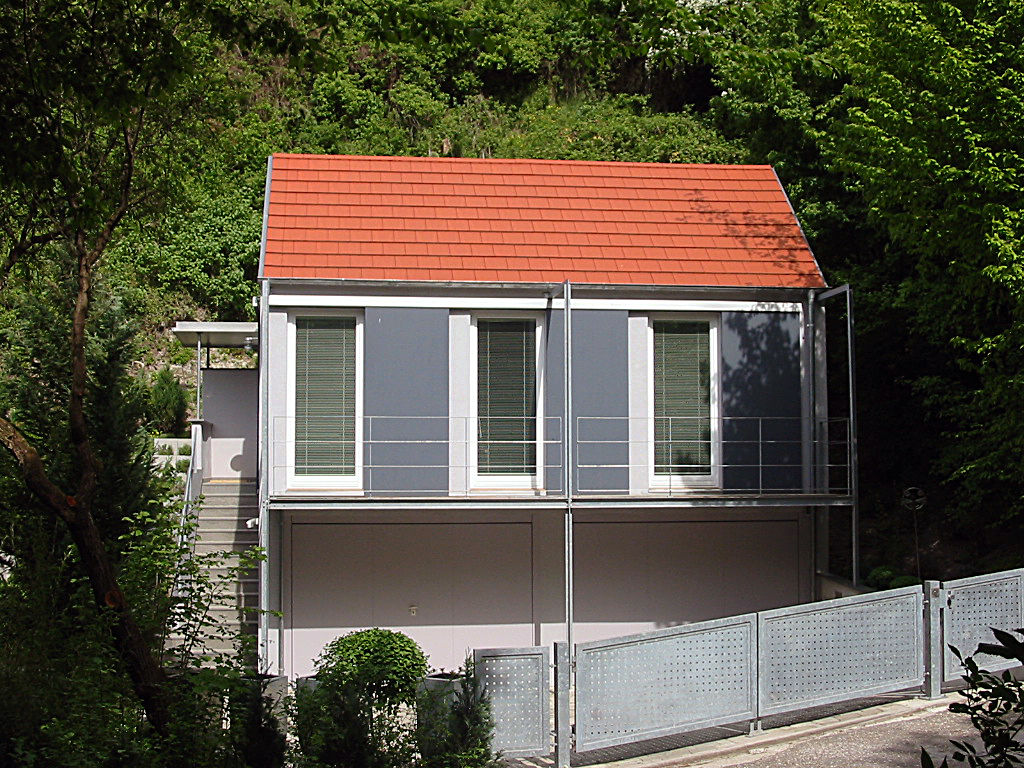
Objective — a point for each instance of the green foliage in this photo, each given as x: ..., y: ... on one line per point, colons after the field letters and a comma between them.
x: 884, y: 577
x: 206, y: 246
x: 256, y: 733
x: 893, y: 125
x: 353, y: 716
x: 74, y: 704
x: 454, y: 725
x: 931, y: 145
x: 387, y: 666
x: 167, y: 404
x: 880, y: 577
x: 995, y: 704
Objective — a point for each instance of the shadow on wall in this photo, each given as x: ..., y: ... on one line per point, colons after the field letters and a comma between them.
x: 761, y: 400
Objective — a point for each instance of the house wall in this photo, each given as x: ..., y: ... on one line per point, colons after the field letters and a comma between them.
x: 455, y: 582
x: 600, y: 374
x: 230, y: 405
x: 405, y: 373
x: 407, y: 368
x: 276, y: 371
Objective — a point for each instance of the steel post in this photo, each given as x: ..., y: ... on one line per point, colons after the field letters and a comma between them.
x: 563, y: 728
x: 933, y: 641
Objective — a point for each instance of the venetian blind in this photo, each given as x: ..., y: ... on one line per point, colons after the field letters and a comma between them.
x: 682, y: 397
x: 325, y: 403
x: 506, y: 397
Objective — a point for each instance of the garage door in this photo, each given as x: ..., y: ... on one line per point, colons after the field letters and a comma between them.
x: 451, y: 587
x: 635, y: 577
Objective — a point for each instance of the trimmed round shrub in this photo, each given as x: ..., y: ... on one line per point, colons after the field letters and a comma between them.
x: 353, y: 716
x: 385, y: 666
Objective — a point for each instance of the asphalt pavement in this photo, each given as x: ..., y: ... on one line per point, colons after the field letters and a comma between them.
x: 886, y: 736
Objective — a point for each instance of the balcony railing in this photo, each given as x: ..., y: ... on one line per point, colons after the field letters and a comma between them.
x: 384, y: 456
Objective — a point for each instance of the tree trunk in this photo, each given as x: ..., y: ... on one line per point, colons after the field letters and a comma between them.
x: 147, y: 676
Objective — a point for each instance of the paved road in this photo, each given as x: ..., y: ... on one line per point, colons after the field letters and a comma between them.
x: 893, y: 743
x: 886, y: 736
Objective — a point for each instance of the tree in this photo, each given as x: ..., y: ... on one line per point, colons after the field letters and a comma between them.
x: 99, y: 102
x: 932, y: 144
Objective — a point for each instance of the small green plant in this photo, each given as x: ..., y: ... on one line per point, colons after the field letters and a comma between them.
x: 884, y: 577
x: 905, y: 580
x: 163, y: 449
x: 167, y: 404
x: 995, y: 704
x: 185, y: 449
x: 454, y: 724
x: 356, y: 716
x: 256, y: 735
x: 182, y: 465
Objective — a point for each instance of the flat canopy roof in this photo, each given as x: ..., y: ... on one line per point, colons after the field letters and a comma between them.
x: 216, y: 334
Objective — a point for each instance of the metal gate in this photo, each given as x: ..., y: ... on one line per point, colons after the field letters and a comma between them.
x: 973, y: 605
x: 664, y: 682
x: 836, y: 650
x: 518, y: 683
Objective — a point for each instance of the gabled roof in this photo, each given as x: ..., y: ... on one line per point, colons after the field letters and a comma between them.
x: 532, y: 221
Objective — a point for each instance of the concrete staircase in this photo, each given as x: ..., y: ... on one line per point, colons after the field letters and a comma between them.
x: 225, y: 507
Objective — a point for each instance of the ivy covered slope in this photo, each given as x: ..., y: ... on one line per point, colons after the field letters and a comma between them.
x: 893, y: 124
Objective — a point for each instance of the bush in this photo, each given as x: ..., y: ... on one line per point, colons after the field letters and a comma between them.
x: 256, y: 736
x: 995, y: 704
x: 353, y: 716
x: 167, y: 404
x: 880, y: 577
x: 454, y: 726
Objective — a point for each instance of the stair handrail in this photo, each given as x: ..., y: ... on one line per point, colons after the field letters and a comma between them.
x: 192, y: 492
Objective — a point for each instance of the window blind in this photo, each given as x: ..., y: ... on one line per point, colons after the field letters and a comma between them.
x: 506, y: 397
x: 325, y: 403
x: 682, y: 397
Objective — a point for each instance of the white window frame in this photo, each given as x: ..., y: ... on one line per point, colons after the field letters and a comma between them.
x: 505, y: 482
x: 673, y: 482
x: 347, y: 484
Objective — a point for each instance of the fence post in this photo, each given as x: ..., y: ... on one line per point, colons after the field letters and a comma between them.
x: 563, y: 729
x: 933, y: 645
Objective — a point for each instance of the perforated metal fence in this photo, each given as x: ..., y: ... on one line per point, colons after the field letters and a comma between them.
x: 836, y: 650
x: 742, y: 668
x: 970, y: 607
x: 518, y: 682
x: 664, y: 682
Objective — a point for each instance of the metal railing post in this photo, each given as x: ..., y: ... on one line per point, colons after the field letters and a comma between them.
x: 933, y: 640
x: 563, y: 728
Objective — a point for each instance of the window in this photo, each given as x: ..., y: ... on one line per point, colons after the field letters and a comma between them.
x: 674, y: 430
x: 496, y: 396
x: 682, y: 397
x: 506, y: 386
x: 325, y: 442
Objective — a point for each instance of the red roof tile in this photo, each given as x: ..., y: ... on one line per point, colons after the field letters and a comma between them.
x: 405, y: 218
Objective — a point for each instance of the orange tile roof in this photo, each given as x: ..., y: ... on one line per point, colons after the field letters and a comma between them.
x: 533, y: 221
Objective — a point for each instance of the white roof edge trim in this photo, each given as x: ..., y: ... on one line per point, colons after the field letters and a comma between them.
x: 526, y: 302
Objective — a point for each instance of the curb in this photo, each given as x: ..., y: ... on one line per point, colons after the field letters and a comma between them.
x: 700, y: 753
